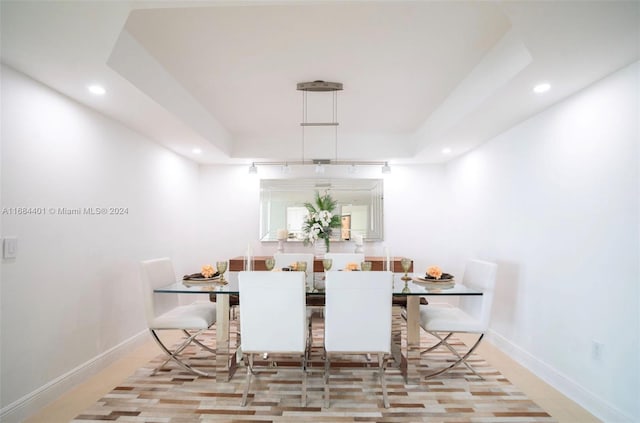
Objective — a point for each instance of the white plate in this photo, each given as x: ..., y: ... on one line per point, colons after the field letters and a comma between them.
x: 200, y: 281
x: 432, y: 284
x: 423, y: 280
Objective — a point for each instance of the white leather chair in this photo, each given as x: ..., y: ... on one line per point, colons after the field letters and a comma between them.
x: 163, y: 312
x: 273, y: 319
x: 340, y: 260
x: 286, y: 259
x: 358, y: 319
x: 472, y: 315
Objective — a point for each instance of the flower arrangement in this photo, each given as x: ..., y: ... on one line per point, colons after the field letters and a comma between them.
x: 207, y: 271
x: 434, y: 272
x: 320, y: 221
x: 352, y: 266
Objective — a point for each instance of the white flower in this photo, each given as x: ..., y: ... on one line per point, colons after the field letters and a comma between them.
x: 320, y: 220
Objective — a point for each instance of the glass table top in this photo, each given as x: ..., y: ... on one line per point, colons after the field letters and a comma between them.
x: 400, y: 287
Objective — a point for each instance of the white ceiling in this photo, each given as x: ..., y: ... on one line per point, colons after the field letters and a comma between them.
x: 221, y: 76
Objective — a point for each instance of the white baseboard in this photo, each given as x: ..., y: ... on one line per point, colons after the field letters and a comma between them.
x: 29, y: 404
x: 578, y: 394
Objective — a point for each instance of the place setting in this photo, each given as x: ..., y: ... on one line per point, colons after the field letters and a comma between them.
x: 207, y: 276
x: 434, y: 279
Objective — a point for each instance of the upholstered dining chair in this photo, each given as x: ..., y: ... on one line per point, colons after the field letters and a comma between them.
x: 472, y: 315
x: 358, y: 319
x: 163, y: 312
x: 273, y: 319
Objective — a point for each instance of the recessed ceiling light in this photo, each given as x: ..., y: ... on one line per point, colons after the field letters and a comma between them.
x: 542, y: 88
x: 96, y: 89
x: 446, y: 150
x: 196, y: 151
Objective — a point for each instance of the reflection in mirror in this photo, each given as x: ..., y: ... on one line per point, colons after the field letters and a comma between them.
x: 359, y: 205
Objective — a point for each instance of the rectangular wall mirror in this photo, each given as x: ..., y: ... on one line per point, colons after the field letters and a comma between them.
x: 359, y: 206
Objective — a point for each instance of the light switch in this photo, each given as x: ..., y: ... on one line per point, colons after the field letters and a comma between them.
x: 10, y: 247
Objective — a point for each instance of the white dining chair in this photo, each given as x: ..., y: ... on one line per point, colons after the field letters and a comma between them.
x: 273, y: 319
x: 358, y: 319
x: 164, y: 312
x: 472, y: 315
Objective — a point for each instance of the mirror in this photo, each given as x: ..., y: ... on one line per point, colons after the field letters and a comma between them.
x: 359, y: 205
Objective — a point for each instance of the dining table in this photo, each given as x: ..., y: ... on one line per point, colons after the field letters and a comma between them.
x: 406, y: 355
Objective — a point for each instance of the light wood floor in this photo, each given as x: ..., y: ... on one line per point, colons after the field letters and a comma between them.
x: 79, y: 399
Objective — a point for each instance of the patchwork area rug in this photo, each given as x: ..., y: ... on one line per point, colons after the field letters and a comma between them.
x: 173, y: 395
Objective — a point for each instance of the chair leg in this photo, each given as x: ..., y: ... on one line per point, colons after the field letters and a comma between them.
x: 327, y: 366
x: 200, y: 344
x: 249, y: 364
x: 307, y: 352
x: 383, y: 383
x: 173, y: 355
x: 461, y: 359
x: 304, y: 379
x: 438, y: 344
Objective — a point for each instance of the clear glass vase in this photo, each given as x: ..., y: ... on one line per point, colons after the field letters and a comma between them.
x: 321, y: 247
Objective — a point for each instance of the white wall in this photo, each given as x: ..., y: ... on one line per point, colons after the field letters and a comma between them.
x: 414, y: 203
x: 228, y: 213
x: 554, y: 201
x: 72, y: 292
x: 417, y: 216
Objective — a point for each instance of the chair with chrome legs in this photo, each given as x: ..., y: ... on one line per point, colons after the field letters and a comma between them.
x: 358, y: 319
x: 273, y: 319
x: 471, y: 316
x: 163, y: 312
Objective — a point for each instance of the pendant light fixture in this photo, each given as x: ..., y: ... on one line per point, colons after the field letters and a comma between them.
x: 320, y: 86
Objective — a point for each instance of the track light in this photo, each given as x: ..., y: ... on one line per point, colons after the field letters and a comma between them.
x: 352, y: 166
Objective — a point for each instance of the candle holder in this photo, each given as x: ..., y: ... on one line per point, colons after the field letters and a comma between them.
x: 359, y: 240
x: 282, y: 236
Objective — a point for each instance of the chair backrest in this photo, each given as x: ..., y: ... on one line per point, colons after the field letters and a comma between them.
x: 272, y: 311
x: 340, y: 260
x: 157, y: 273
x: 480, y: 275
x: 358, y: 311
x: 286, y: 259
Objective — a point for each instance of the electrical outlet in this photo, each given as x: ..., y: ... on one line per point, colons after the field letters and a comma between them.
x: 597, y: 348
